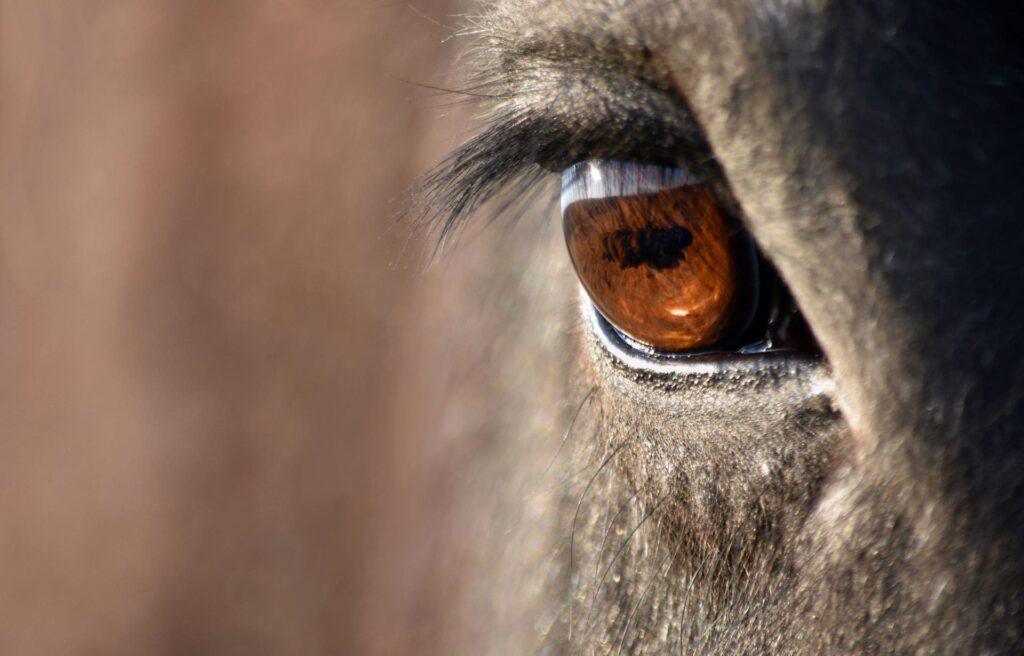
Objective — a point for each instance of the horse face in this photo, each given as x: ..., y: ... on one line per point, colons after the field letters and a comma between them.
x: 860, y: 494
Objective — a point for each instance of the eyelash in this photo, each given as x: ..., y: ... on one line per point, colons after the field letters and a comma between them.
x: 521, y: 149
x: 449, y: 195
x: 479, y: 172
x: 503, y: 162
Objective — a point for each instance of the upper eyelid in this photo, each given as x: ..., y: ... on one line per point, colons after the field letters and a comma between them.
x: 573, y: 53
x: 596, y: 179
x: 586, y: 92
x: 549, y: 111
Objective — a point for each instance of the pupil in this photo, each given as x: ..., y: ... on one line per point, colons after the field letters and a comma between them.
x: 658, y: 248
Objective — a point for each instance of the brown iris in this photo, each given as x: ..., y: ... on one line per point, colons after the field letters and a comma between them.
x: 660, y: 266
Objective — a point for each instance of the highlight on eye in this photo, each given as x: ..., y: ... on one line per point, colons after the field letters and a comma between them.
x: 658, y: 255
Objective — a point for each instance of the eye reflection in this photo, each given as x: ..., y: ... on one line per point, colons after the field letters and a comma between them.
x: 658, y: 255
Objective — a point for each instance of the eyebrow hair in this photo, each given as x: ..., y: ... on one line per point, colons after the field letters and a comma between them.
x: 553, y: 98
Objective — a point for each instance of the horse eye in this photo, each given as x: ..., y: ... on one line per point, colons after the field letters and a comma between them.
x: 658, y: 255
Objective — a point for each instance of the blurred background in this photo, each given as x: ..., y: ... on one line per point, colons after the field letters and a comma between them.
x: 220, y: 431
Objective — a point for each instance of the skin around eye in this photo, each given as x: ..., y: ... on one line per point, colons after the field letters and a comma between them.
x: 657, y: 254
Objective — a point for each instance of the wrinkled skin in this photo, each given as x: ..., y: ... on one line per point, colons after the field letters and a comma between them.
x: 868, y: 503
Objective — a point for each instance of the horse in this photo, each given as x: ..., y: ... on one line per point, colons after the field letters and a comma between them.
x: 676, y: 475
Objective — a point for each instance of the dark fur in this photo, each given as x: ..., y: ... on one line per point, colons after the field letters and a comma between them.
x: 869, y: 505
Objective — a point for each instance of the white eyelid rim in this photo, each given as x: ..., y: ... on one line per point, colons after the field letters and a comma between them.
x: 699, y: 365
x: 599, y: 178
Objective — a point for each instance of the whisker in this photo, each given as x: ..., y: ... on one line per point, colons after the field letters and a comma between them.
x: 608, y: 531
x: 575, y: 519
x: 618, y: 554
x: 686, y: 600
x: 566, y: 435
x: 430, y: 19
x: 573, y: 476
x: 445, y: 90
x: 668, y: 559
